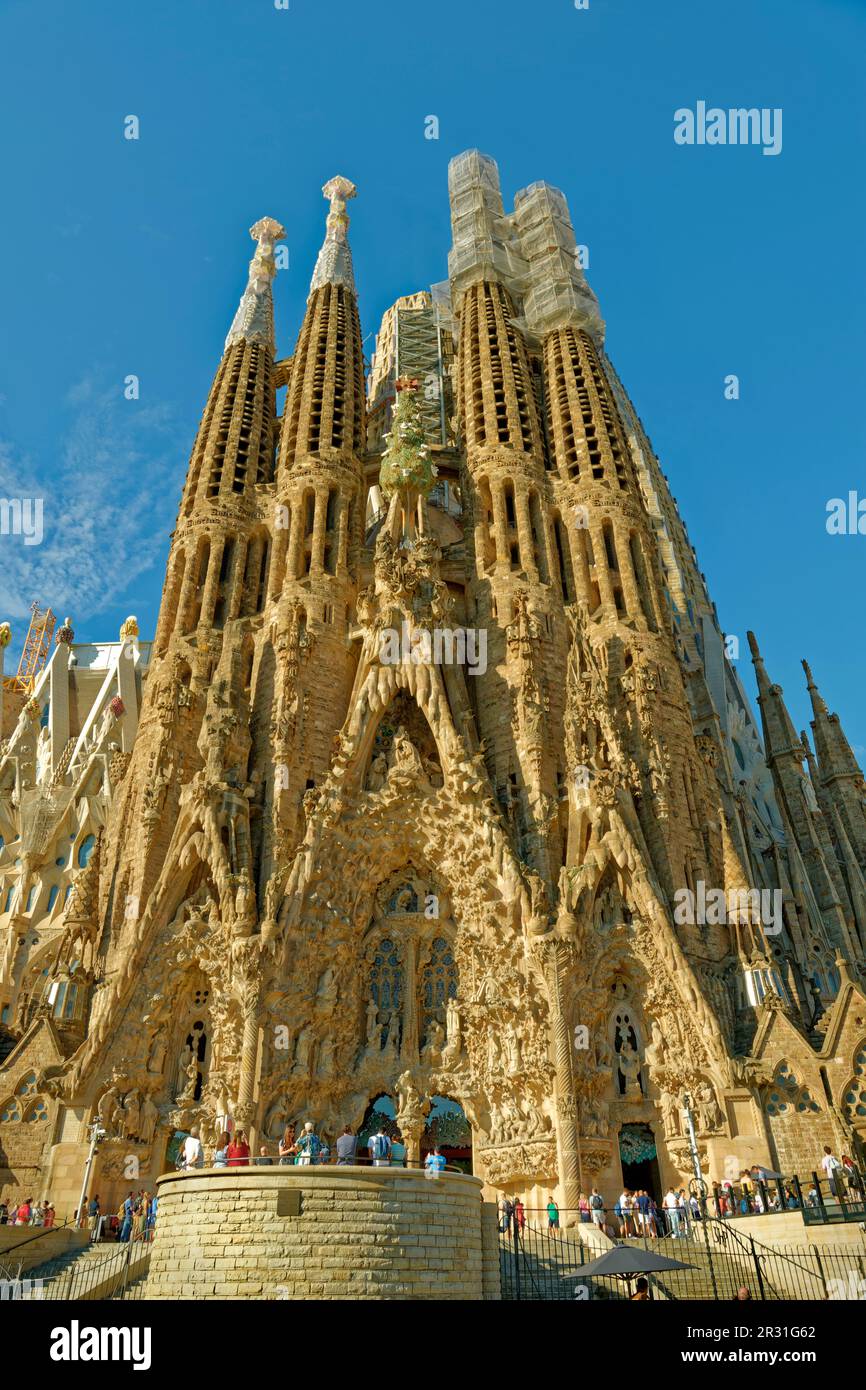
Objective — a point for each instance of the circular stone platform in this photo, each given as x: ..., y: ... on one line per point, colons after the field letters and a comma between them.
x: 329, y: 1232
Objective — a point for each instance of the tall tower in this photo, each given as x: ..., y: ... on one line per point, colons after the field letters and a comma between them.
x: 319, y: 513
x: 446, y: 810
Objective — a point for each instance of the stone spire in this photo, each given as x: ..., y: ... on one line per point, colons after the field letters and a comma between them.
x: 780, y: 736
x: 835, y: 755
x: 254, y: 320
x: 334, y: 262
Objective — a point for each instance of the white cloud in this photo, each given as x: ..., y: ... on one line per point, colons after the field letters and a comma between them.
x: 109, y: 501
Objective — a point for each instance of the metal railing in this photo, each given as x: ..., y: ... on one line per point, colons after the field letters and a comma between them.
x: 117, y: 1274
x: 536, y: 1260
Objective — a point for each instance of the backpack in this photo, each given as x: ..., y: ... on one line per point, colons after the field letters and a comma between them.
x: 378, y: 1145
x: 596, y: 1202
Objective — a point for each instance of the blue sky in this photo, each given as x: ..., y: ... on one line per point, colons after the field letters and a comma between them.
x: 126, y: 257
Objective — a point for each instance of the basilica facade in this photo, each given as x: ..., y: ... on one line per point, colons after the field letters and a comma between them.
x: 436, y: 799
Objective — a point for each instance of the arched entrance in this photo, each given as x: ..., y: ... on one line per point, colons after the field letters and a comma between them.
x: 639, y: 1159
x: 448, y: 1127
x: 380, y: 1113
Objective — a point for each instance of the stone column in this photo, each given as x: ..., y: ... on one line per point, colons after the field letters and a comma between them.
x: 211, y: 586
x: 568, y: 1144
x: 500, y: 527
x: 409, y: 1046
x: 317, y: 551
x: 296, y: 535
x: 524, y: 531
x: 235, y: 580
x: 245, y: 1110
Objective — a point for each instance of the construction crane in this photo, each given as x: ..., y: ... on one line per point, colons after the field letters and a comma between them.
x: 34, y: 653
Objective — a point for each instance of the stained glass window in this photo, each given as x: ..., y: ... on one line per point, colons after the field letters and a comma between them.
x: 386, y: 975
x: 439, y: 977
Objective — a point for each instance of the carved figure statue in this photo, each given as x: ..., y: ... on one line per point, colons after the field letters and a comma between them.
x: 132, y: 1115
x: 303, y: 1047
x: 110, y: 1111
x: 629, y: 1069
x: 452, y: 1028
x: 435, y: 1040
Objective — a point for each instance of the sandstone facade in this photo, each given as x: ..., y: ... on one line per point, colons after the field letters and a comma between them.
x: 329, y: 869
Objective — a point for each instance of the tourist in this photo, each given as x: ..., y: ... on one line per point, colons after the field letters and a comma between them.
x: 435, y: 1164
x: 239, y: 1151
x: 264, y: 1158
x: 683, y: 1210
x: 596, y: 1207
x: 126, y: 1212
x: 832, y: 1171
x: 552, y: 1215
x: 506, y: 1210
x: 852, y: 1177
x: 398, y: 1152
x: 4, y: 1213
x: 743, y: 1295
x: 643, y: 1206
x: 25, y: 1211
x: 347, y: 1144
x: 221, y: 1152
x: 50, y: 1214
x: 308, y: 1145
x: 519, y: 1214
x: 583, y: 1207
x: 193, y: 1153
x: 93, y: 1218
x: 671, y: 1205
x: 379, y: 1148
x: 151, y: 1218
x: 641, y: 1291
x: 139, y: 1216
x: 287, y: 1146
x: 324, y: 1151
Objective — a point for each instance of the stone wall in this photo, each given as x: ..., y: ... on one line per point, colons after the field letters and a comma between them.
x: 329, y: 1232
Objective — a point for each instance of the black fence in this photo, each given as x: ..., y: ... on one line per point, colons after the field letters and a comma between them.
x: 541, y: 1263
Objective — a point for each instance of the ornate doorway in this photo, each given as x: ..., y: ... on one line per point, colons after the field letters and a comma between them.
x: 639, y: 1159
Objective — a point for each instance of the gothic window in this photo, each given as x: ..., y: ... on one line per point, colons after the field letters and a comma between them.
x: 438, y: 977
x: 27, y: 1085
x: 386, y: 975
x: 10, y: 1113
x: 854, y: 1096
x: 85, y: 849
x: 37, y: 1112
x: 787, y: 1096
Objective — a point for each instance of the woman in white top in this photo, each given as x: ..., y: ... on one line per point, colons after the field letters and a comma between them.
x: 221, y: 1153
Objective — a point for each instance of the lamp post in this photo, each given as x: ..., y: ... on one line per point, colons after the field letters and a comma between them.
x: 97, y: 1133
x: 698, y: 1185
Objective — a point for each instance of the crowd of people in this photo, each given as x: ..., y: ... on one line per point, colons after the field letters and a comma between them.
x: 28, y: 1213
x: 755, y: 1192
x: 302, y: 1149
x: 135, y: 1218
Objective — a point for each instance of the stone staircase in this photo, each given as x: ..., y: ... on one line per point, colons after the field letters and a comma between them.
x: 93, y: 1273
x: 714, y: 1275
